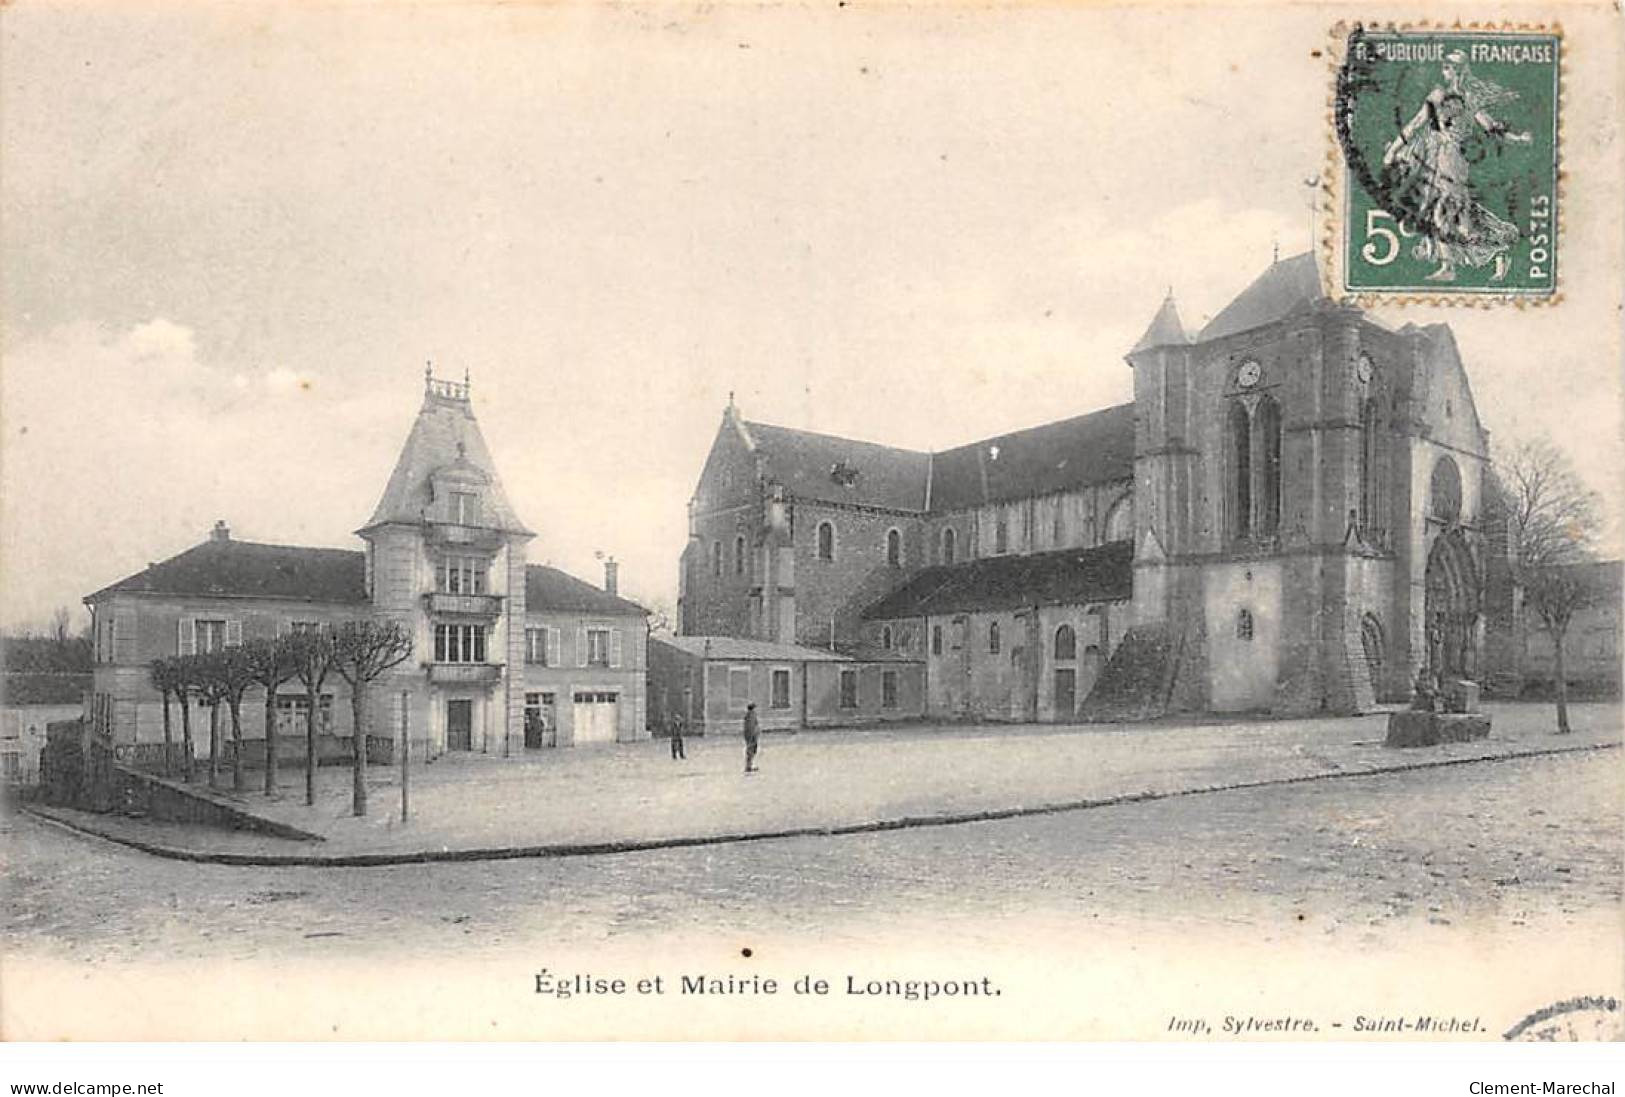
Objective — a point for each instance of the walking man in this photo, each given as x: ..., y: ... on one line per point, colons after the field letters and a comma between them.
x: 753, y: 732
x: 674, y: 727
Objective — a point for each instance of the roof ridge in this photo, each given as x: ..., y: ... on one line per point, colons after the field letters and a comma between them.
x: 834, y: 437
x: 1053, y: 423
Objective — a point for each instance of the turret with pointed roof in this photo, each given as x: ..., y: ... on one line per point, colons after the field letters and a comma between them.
x: 1166, y: 330
x: 443, y: 450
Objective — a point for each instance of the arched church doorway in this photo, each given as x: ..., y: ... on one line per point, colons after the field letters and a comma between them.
x: 1374, y: 646
x: 1451, y: 608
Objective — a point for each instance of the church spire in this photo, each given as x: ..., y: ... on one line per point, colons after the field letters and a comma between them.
x: 1165, y: 330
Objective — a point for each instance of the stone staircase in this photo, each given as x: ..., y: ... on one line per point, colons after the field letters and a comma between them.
x: 1138, y: 682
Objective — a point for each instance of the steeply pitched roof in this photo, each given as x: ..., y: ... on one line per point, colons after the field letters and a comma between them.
x: 1166, y: 328
x: 445, y: 436
x: 1287, y: 284
x: 841, y: 470
x: 1066, y: 577
x: 244, y: 569
x: 551, y: 589
x: 745, y: 650
x: 1089, y: 449
x: 43, y: 689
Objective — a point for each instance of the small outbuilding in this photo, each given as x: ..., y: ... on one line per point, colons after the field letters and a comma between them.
x: 712, y: 679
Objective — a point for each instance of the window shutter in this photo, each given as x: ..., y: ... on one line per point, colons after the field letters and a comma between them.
x: 186, y: 637
x: 581, y: 646
x: 615, y: 647
x: 555, y: 657
x: 123, y: 644
x: 234, y: 634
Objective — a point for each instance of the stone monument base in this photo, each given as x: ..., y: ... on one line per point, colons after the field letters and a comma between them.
x: 1429, y: 729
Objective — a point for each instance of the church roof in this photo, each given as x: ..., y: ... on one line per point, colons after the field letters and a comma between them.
x: 1287, y: 284
x: 1087, y: 449
x: 1166, y: 329
x: 840, y: 470
x: 445, y: 438
x: 1066, y: 577
x: 298, y: 573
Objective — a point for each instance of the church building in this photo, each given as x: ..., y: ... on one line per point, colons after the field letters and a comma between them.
x: 507, y: 655
x: 1285, y: 519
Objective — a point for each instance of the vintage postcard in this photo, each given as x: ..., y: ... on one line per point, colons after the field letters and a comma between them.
x: 811, y: 521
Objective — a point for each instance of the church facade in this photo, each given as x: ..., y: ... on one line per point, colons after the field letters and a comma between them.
x: 1286, y: 518
x: 507, y: 655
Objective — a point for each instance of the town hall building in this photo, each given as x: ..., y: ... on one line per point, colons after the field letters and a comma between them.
x: 507, y: 655
x: 1285, y: 519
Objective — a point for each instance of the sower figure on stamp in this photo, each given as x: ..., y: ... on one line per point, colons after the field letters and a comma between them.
x: 1427, y: 175
x: 753, y: 732
x: 674, y: 727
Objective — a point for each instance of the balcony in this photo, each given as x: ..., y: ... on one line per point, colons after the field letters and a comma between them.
x: 461, y: 536
x: 464, y: 605
x: 465, y: 674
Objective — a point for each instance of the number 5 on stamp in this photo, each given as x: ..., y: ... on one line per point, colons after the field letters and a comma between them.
x: 1449, y: 143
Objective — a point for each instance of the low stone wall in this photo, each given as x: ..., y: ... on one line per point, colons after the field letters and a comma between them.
x: 82, y: 770
x: 171, y: 801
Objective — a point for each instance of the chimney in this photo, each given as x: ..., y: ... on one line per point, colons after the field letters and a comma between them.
x: 612, y: 576
x: 221, y: 531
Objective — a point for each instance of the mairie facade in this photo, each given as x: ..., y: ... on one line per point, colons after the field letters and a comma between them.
x: 1286, y: 518
x: 507, y: 655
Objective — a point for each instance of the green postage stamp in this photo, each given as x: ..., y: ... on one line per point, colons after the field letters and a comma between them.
x: 1449, y: 139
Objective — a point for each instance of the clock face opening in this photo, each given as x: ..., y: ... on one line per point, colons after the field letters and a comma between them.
x: 1364, y: 368
x: 1249, y: 373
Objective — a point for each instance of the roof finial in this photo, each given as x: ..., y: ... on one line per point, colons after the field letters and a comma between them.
x: 428, y: 371
x: 465, y: 378
x: 1277, y: 257
x: 730, y: 398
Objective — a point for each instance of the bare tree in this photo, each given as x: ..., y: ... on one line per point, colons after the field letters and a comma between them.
x: 183, y: 683
x: 236, y: 671
x: 362, y: 651
x: 272, y: 663
x: 61, y: 621
x: 312, y: 654
x: 161, y: 673
x: 208, y: 675
x: 1552, y: 519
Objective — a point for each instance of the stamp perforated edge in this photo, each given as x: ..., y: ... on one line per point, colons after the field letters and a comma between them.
x: 1334, y: 172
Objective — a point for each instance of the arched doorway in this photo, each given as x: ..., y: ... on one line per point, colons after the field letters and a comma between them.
x: 1375, y: 648
x: 1451, y: 608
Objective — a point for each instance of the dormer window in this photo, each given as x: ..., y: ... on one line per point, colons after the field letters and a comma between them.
x: 843, y: 474
x: 465, y: 508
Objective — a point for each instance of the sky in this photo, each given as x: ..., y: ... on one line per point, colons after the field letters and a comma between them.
x: 232, y: 236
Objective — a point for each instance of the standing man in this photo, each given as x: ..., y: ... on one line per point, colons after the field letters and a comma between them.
x: 753, y: 732
x: 674, y: 727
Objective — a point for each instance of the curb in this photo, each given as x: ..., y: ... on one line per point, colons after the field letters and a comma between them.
x: 590, y: 849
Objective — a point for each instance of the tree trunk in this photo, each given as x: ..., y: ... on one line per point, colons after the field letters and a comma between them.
x: 187, y: 749
x: 358, y: 736
x: 169, y: 741
x: 310, y: 751
x: 236, y: 704
x: 214, y: 744
x: 270, y: 740
x: 1561, y: 684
